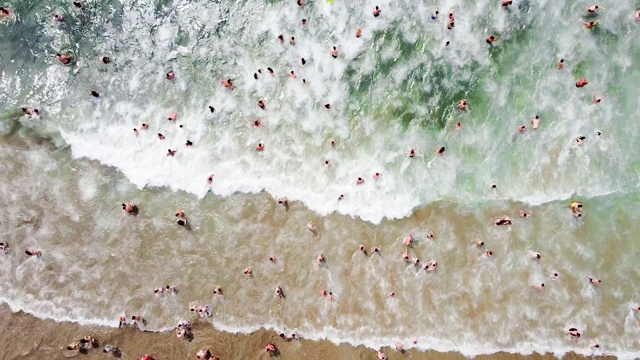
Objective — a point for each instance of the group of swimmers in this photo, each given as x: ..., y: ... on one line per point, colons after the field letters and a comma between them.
x: 184, y: 329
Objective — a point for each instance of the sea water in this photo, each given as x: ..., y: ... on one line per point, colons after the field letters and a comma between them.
x: 66, y: 172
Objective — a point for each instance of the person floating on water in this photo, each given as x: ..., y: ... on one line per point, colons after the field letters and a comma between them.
x: 4, y: 11
x: 582, y: 82
x: 594, y: 9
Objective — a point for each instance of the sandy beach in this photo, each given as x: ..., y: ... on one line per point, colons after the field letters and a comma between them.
x: 26, y: 337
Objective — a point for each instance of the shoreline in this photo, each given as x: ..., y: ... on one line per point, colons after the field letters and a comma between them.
x: 33, y: 338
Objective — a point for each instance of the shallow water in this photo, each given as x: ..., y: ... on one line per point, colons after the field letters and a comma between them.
x: 392, y: 90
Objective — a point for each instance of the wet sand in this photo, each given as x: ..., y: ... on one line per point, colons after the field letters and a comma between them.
x: 27, y: 337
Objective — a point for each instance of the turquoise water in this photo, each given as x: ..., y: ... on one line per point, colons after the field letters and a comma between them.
x: 392, y: 90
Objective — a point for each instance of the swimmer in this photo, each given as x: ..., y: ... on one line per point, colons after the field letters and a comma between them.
x: 57, y: 18
x: 359, y: 31
x: 576, y: 209
x: 561, y: 64
x: 494, y: 186
x: 173, y: 116
x: 595, y: 282
x: 535, y: 123
x: 304, y: 21
x: 248, y: 271
x: 261, y: 105
x: 210, y: 179
x: 283, y: 201
x: 573, y: 332
x: 637, y: 15
x: 145, y: 126
x: 292, y: 41
x: 94, y: 94
x: 489, y: 253
x: 597, y: 100
x: 327, y: 164
x: 341, y: 197
x: 491, y: 39
x: 271, y: 71
x: 36, y: 253
x: 506, y: 3
x: 227, y: 83
x: 217, y: 291
x: 377, y: 175
x: 462, y: 104
x: 255, y: 76
x: 160, y: 136
x: 303, y: 61
x: 334, y: 52
x: 281, y: 38
x: 4, y: 11
x: 320, y: 259
x: 411, y: 153
x: 522, y: 128
x: 458, y: 126
x: 260, y: 147
x: 502, y: 220
x: 188, y: 143
x: 77, y: 4
x: 170, y: 75
x: 416, y: 261
x: 257, y: 122
x: 431, y: 235
x: 435, y: 15
x: 3, y: 246
x: 376, y: 11
x: 479, y: 243
x: 182, y: 218
x: 594, y: 9
x: 332, y: 143
x: 278, y: 291
x: 524, y: 214
x: 392, y: 294
x: 363, y: 249
x: 204, y: 354
x: 292, y: 74
x: 65, y: 59
x: 105, y: 60
x: 430, y: 266
x: 452, y: 16
x: 554, y: 275
x: 312, y: 227
x: 376, y: 250
x: 590, y: 25
x: 327, y: 106
x: 129, y: 208
x: 30, y: 112
x: 272, y: 259
x: 359, y: 181
x: 441, y: 151
x: 446, y: 44
x: 408, y: 241
x: 582, y: 82
x: 300, y: 2
x: 539, y: 286
x: 382, y: 356
x: 405, y: 254
x: 270, y: 348
x: 536, y: 255
x: 580, y: 140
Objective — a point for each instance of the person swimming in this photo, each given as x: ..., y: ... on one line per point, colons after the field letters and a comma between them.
x: 503, y: 220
